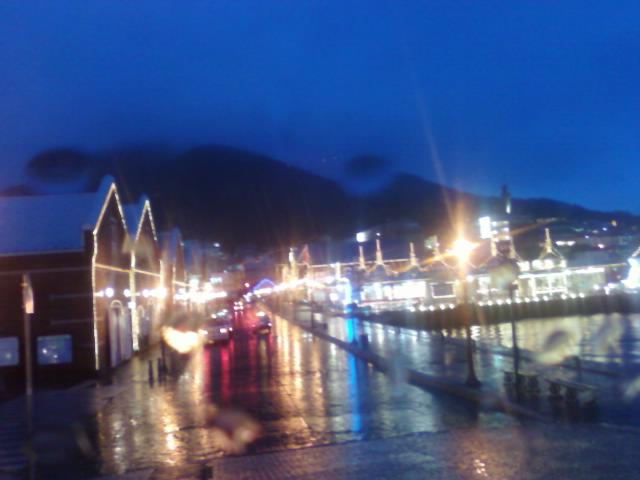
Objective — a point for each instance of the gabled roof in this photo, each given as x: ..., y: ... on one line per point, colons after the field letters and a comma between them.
x: 379, y: 272
x: 498, y: 263
x: 414, y: 271
x: 51, y: 223
x: 549, y: 252
x: 134, y: 214
x: 411, y: 273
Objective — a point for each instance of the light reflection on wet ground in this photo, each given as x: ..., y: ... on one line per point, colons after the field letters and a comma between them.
x: 585, y: 338
x: 607, y: 345
x: 301, y: 390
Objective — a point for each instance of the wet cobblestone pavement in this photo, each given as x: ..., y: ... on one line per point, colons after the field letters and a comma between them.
x: 534, y: 452
x: 531, y: 452
x: 321, y: 414
x: 60, y: 445
x: 301, y: 391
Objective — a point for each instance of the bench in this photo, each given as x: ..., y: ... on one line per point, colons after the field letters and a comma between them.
x: 572, y: 390
x: 524, y: 380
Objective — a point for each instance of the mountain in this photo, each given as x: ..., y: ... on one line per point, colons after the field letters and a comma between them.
x: 423, y: 201
x: 210, y: 192
x: 545, y: 208
x: 238, y: 197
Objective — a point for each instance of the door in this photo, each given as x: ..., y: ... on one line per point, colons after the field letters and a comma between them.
x: 115, y: 344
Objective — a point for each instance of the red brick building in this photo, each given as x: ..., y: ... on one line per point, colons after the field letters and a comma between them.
x: 147, y: 293
x: 73, y: 247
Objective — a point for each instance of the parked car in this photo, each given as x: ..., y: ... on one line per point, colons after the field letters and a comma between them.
x: 217, y: 330
x: 223, y: 314
x: 263, y: 325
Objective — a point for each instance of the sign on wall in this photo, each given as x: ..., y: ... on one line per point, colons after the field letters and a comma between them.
x: 54, y: 349
x: 9, y: 351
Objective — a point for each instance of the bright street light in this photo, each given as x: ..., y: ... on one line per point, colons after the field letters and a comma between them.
x: 362, y: 237
x: 462, y: 249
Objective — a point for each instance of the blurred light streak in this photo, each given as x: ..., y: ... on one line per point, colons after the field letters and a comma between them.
x: 182, y: 342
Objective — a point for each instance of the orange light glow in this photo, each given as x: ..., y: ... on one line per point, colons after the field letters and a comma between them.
x: 462, y: 248
x: 181, y: 342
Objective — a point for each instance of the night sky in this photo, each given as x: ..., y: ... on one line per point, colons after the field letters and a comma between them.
x: 542, y: 95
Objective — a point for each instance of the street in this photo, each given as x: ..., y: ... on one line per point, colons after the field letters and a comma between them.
x: 291, y: 405
x: 301, y: 391
x: 320, y: 413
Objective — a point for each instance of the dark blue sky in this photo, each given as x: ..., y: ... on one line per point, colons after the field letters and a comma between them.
x: 542, y: 95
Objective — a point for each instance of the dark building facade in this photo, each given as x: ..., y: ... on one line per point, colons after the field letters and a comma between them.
x: 147, y: 294
x: 72, y: 248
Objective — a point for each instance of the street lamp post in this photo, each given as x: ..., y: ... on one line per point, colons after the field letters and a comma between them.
x: 504, y: 276
x: 462, y: 249
x: 514, y: 335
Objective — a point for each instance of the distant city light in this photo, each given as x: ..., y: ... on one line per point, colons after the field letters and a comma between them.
x: 567, y: 243
x: 485, y: 227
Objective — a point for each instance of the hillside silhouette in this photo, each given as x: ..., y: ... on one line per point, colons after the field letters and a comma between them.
x: 226, y: 194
